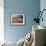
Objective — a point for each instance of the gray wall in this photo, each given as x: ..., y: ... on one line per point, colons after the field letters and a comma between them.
x: 27, y: 7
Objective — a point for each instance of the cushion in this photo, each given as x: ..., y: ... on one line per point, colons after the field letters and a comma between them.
x: 20, y: 42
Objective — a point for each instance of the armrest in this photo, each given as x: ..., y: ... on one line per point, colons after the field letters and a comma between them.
x: 39, y: 37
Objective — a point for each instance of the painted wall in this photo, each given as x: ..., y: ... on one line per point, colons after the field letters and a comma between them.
x: 26, y: 7
x: 43, y: 6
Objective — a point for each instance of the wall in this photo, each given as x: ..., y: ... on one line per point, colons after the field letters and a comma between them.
x: 1, y: 20
x: 43, y: 6
x: 26, y: 7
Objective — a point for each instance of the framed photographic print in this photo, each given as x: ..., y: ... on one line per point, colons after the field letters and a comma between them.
x: 17, y: 19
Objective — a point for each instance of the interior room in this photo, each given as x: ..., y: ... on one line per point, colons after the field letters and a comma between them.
x: 22, y: 22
